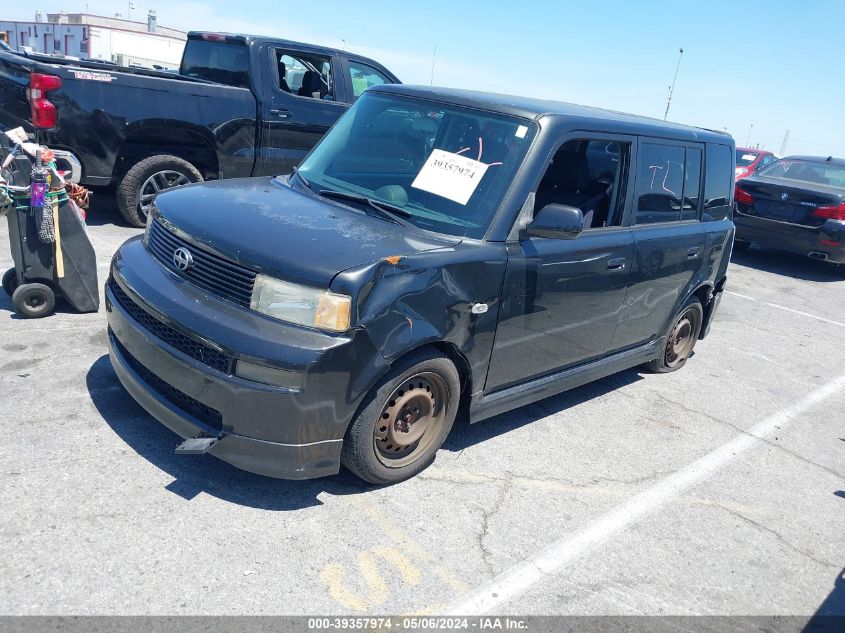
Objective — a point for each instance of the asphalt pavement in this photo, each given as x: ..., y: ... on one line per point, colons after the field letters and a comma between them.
x: 719, y: 489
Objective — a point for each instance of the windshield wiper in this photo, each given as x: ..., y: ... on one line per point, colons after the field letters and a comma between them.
x: 382, y: 210
x: 303, y: 180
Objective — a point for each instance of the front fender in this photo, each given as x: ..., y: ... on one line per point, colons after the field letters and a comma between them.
x: 427, y: 298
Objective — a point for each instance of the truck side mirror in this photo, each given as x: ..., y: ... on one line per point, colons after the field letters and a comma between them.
x: 557, y: 221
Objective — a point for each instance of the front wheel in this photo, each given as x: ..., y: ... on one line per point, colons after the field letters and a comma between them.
x: 681, y: 339
x: 145, y: 180
x: 404, y: 420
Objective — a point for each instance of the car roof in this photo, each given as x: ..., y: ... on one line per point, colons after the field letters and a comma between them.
x: 531, y: 108
x: 751, y: 150
x: 818, y: 159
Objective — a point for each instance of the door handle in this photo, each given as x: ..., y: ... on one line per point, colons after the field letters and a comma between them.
x: 280, y: 112
x: 616, y: 264
x: 694, y: 252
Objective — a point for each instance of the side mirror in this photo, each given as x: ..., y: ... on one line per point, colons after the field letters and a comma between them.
x: 557, y: 221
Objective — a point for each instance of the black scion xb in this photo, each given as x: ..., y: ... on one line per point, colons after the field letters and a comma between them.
x: 440, y: 251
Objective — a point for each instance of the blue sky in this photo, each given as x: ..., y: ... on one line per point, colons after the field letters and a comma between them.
x: 775, y: 64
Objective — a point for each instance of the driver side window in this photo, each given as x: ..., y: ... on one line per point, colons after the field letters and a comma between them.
x: 587, y: 174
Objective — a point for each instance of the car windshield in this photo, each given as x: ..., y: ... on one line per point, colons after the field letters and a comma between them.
x: 446, y: 167
x: 821, y: 173
x: 744, y: 158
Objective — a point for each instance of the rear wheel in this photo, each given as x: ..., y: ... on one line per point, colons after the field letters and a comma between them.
x: 681, y: 339
x: 404, y: 420
x: 145, y: 180
x: 10, y: 281
x: 34, y: 301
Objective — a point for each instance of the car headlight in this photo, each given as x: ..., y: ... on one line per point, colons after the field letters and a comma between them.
x: 299, y: 304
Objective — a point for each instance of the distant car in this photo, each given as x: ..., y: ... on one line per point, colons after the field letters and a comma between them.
x: 750, y: 161
x: 796, y: 204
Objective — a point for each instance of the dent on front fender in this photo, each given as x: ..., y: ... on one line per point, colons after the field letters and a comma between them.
x: 427, y: 297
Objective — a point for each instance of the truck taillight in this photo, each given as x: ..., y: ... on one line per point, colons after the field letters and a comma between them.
x: 833, y: 212
x: 44, y: 114
x: 742, y: 196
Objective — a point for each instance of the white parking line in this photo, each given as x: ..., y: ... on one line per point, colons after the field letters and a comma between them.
x: 550, y: 560
x: 779, y: 307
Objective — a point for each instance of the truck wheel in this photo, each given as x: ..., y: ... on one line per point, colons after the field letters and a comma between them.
x: 10, y: 281
x: 34, y: 301
x: 404, y: 420
x: 680, y: 340
x: 144, y: 180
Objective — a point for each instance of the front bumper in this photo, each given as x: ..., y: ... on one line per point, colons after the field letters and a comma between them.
x: 826, y: 241
x: 291, y: 434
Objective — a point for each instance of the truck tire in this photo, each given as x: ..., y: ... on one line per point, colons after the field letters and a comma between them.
x: 144, y: 180
x: 681, y: 338
x: 404, y: 419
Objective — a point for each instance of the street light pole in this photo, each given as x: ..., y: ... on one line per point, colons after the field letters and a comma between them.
x: 672, y: 87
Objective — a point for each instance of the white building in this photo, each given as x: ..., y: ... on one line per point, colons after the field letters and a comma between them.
x: 95, y: 37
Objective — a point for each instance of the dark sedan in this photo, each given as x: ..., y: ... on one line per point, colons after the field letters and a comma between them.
x: 796, y: 204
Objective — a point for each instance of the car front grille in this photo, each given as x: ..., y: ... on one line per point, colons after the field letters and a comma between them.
x: 205, y: 414
x: 212, y: 273
x: 185, y: 344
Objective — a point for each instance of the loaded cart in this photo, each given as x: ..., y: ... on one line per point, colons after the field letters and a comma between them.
x: 53, y: 257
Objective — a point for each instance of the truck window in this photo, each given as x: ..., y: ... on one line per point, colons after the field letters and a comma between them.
x: 718, y: 183
x: 587, y: 174
x: 222, y: 62
x: 660, y: 183
x: 363, y: 76
x: 305, y: 74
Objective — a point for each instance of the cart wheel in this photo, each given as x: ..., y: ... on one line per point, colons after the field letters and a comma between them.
x: 10, y: 281
x: 34, y: 301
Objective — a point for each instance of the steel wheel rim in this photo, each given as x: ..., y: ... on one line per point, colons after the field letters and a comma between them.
x: 158, y: 182
x: 35, y: 301
x: 681, y: 338
x: 411, y: 419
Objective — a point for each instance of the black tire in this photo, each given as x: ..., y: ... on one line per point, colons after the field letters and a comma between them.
x: 10, y: 281
x: 406, y: 389
x: 741, y: 246
x: 34, y: 301
x: 170, y: 171
x: 680, y: 339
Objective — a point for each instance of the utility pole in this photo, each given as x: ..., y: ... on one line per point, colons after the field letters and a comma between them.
x: 783, y: 145
x: 433, y: 57
x: 672, y: 87
x: 748, y: 140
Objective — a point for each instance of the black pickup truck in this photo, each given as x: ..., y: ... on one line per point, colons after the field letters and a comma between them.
x: 240, y: 106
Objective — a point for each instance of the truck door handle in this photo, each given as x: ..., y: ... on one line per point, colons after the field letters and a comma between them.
x: 694, y: 252
x: 616, y: 264
x: 280, y: 112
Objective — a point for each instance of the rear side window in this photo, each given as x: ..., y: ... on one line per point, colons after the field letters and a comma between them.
x: 718, y: 183
x: 306, y: 75
x: 222, y: 62
x: 660, y: 183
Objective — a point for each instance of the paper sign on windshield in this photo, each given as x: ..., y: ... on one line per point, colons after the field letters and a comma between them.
x: 450, y: 176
